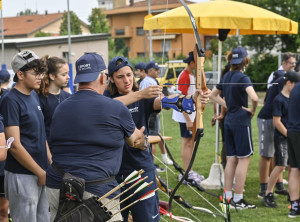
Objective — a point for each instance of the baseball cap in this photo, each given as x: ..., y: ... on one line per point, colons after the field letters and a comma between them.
x: 4, y: 75
x: 88, y: 67
x: 117, y: 63
x: 238, y: 54
x: 190, y: 58
x: 152, y: 64
x: 140, y: 65
x: 292, y: 76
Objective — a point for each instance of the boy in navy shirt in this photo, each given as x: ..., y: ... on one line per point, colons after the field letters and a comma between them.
x: 27, y: 161
x: 122, y: 85
x: 238, y: 140
x: 88, y: 132
x: 280, y: 112
x: 293, y: 136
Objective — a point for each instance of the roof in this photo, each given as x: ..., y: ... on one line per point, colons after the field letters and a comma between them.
x: 143, y: 6
x: 27, y: 24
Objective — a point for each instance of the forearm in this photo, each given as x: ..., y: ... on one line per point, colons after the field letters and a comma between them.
x: 279, y: 125
x: 215, y: 96
x: 130, y: 98
x: 49, y: 155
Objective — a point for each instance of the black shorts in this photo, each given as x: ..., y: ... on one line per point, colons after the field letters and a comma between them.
x: 281, y: 150
x: 293, y: 149
x: 184, y: 132
x: 2, y: 194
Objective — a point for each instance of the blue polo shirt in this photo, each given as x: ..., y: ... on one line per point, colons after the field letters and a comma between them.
x: 280, y: 108
x: 25, y: 112
x: 87, y: 134
x: 136, y: 159
x: 293, y: 124
x: 48, y: 105
x: 266, y: 111
x: 236, y: 97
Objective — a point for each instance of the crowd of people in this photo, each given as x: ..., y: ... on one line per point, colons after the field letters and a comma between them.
x: 99, y: 133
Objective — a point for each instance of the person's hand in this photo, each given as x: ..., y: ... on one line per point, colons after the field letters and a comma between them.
x: 140, y: 141
x: 250, y: 110
x: 42, y: 178
x: 213, y: 120
x: 189, y: 125
x: 204, y: 96
x: 151, y: 92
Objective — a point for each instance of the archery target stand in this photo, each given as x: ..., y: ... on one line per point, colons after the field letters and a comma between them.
x: 216, y: 175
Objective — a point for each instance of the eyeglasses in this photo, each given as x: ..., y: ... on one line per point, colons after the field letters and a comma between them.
x: 40, y: 75
x: 293, y: 63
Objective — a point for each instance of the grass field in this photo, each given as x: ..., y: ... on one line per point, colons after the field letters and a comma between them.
x: 204, y: 159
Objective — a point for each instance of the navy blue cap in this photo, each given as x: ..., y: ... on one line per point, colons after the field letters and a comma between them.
x: 140, y: 65
x: 4, y: 75
x: 114, y: 67
x: 238, y: 54
x: 291, y: 76
x: 190, y: 58
x: 152, y: 64
x: 88, y: 67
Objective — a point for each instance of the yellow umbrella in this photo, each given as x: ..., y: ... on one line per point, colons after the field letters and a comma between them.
x: 214, y: 15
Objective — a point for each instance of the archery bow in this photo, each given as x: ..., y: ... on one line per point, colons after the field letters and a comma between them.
x: 200, y: 84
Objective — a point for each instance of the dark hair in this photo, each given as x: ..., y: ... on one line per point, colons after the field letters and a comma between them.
x: 37, y: 65
x: 238, y: 67
x: 53, y: 65
x: 112, y: 88
x: 287, y: 55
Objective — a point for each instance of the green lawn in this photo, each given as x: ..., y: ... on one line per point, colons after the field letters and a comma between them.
x: 204, y: 159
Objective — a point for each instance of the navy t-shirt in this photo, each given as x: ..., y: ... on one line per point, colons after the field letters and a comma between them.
x: 25, y: 112
x: 2, y: 163
x: 136, y: 159
x: 48, y: 105
x: 236, y: 97
x: 280, y: 108
x: 266, y: 111
x: 87, y: 134
x: 293, y: 124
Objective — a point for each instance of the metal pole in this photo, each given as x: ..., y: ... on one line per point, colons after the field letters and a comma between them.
x: 3, y: 66
x: 150, y: 34
x: 70, y: 53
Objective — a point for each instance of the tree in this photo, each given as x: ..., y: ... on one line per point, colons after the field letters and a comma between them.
x: 42, y: 34
x: 27, y: 12
x: 75, y: 24
x: 98, y: 22
x: 287, y: 8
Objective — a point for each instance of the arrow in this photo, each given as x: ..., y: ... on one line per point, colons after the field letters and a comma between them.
x: 135, y: 175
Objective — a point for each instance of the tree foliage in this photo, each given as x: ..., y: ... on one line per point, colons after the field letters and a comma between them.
x: 287, y: 8
x: 42, y: 34
x: 75, y: 24
x: 98, y: 22
x: 27, y: 12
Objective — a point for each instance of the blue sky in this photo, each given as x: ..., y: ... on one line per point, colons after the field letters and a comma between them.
x: 81, y: 7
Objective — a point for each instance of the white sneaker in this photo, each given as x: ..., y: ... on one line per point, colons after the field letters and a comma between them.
x: 285, y: 182
x: 167, y: 161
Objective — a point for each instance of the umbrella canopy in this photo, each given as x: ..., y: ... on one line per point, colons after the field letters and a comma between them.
x: 214, y: 15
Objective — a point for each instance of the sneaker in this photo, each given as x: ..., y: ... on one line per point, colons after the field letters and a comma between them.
x: 167, y: 161
x: 193, y: 175
x: 285, y: 182
x: 294, y: 213
x: 261, y: 194
x: 184, y: 181
x: 159, y: 169
x: 282, y: 192
x: 269, y: 201
x: 241, y: 204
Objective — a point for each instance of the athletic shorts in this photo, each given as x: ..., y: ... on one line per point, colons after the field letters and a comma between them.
x: 266, y: 137
x: 146, y: 210
x: 238, y: 141
x: 184, y: 132
x: 2, y: 193
x: 154, y: 124
x: 293, y: 149
x: 281, y: 150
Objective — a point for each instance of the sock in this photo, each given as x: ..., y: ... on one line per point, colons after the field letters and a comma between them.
x: 279, y: 186
x: 237, y: 197
x: 295, y: 205
x: 263, y: 187
x: 227, y: 194
x: 164, y: 156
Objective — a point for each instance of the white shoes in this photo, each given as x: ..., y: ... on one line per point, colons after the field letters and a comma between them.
x: 166, y: 160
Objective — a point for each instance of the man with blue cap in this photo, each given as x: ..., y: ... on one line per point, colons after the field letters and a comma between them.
x: 4, y: 78
x: 236, y: 87
x: 140, y: 71
x: 88, y: 133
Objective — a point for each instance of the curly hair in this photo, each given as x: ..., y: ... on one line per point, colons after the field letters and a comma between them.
x: 53, y: 64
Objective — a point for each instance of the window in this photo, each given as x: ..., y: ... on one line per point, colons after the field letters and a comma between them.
x: 141, y: 54
x: 65, y: 55
x: 120, y: 31
x: 140, y: 31
x: 170, y: 74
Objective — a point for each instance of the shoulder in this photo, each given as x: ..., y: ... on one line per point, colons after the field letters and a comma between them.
x: 65, y: 94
